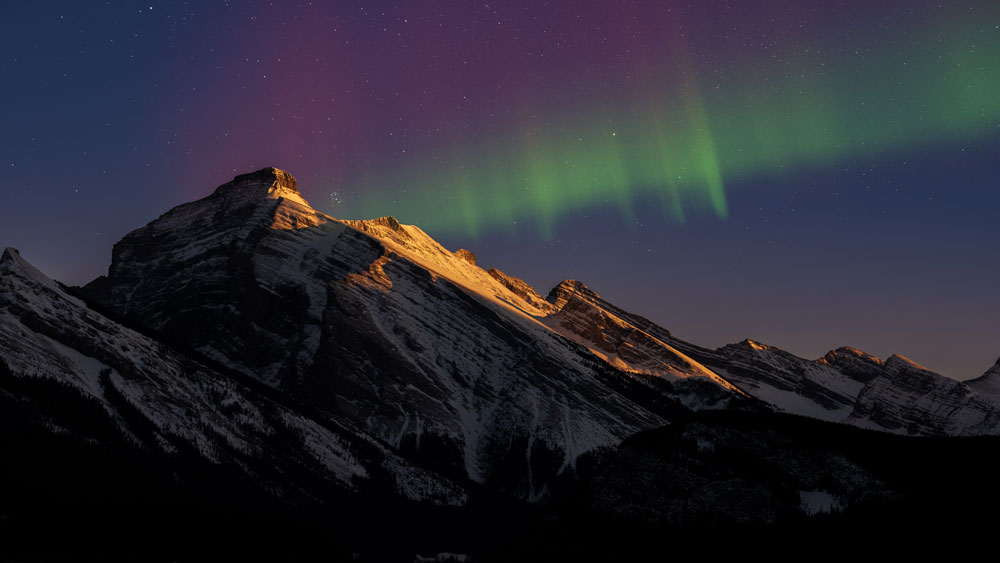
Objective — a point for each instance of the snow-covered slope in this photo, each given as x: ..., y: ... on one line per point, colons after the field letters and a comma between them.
x: 847, y: 385
x: 459, y: 267
x: 820, y: 389
x: 166, y: 401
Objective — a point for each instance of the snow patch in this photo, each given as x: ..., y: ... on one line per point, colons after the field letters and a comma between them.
x: 818, y: 502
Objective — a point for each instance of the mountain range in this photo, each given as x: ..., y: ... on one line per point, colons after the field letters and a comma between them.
x: 247, y: 346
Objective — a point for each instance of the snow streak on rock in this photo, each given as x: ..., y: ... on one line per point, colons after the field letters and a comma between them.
x: 162, y: 399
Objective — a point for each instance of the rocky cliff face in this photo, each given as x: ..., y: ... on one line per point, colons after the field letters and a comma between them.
x: 989, y: 382
x: 163, y: 401
x: 909, y: 398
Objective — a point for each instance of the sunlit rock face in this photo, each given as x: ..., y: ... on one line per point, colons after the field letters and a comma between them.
x: 520, y: 288
x: 632, y: 343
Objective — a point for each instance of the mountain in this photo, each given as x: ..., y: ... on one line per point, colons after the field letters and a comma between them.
x: 253, y: 361
x: 166, y: 402
x: 376, y: 322
x: 846, y: 385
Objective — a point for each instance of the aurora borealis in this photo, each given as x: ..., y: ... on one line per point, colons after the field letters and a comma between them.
x: 684, y: 143
x: 808, y: 174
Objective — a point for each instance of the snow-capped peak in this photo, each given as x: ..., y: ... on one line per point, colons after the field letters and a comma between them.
x: 856, y: 364
x: 382, y: 227
x: 897, y: 363
x: 753, y: 345
x: 989, y: 382
x: 388, y: 222
x: 270, y: 182
x: 848, y: 353
x: 11, y: 263
x: 10, y: 254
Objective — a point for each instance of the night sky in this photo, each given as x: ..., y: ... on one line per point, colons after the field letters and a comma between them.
x: 805, y: 173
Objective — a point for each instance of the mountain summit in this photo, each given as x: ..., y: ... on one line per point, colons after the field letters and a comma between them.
x: 267, y: 182
x: 377, y: 322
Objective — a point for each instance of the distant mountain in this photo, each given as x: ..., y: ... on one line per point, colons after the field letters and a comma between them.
x: 312, y: 362
x: 846, y: 385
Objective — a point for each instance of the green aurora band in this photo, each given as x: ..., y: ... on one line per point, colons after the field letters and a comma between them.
x: 686, y: 140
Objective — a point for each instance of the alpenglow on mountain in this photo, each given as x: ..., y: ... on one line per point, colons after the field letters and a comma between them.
x: 321, y: 358
x: 378, y: 321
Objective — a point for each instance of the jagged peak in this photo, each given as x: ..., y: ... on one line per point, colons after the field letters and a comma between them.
x: 566, y: 289
x: 898, y: 361
x: 520, y: 288
x: 12, y: 263
x: 574, y: 286
x: 270, y: 182
x: 10, y: 254
x: 11, y: 260
x: 277, y: 176
x: 854, y: 363
x: 388, y: 221
x: 387, y: 228
x: 751, y: 346
x: 466, y: 255
x: 748, y: 344
x: 499, y: 274
x: 849, y: 353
